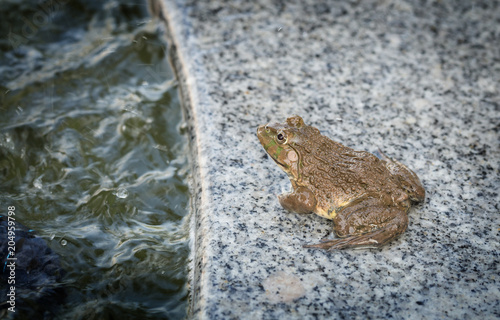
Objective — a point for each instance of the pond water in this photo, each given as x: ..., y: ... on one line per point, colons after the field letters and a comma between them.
x: 93, y: 156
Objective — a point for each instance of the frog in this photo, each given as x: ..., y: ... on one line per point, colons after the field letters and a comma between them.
x: 366, y: 196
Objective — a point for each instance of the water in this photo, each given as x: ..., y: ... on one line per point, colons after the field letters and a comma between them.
x: 93, y: 157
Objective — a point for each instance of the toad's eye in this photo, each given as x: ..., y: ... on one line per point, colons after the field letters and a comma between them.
x: 281, y: 138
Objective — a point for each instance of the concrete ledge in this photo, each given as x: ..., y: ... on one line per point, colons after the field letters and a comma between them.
x: 419, y: 81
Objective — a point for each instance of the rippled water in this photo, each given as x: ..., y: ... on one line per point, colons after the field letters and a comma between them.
x: 93, y: 155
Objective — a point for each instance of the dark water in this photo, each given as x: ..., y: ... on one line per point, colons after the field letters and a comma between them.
x: 94, y: 159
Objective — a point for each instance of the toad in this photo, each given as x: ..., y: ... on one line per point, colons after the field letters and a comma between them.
x: 367, y: 197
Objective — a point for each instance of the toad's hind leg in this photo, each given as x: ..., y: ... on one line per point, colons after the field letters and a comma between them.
x: 363, y: 233
x: 407, y: 178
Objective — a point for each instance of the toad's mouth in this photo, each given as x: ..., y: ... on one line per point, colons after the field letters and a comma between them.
x: 292, y: 169
x: 283, y: 166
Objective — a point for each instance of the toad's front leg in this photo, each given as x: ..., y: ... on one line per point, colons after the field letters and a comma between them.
x: 302, y: 200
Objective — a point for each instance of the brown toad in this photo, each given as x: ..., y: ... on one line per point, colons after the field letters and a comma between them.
x: 366, y: 197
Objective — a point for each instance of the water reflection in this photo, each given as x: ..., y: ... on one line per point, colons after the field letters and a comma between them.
x: 93, y: 156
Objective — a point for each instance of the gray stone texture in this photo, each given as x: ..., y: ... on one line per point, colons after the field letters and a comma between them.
x: 418, y: 79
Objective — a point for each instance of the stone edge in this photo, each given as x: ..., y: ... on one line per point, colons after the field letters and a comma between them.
x: 183, y: 66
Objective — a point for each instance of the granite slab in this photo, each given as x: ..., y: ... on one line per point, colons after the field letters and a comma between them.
x: 418, y: 79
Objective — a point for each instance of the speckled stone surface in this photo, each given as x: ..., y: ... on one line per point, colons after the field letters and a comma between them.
x: 418, y: 79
